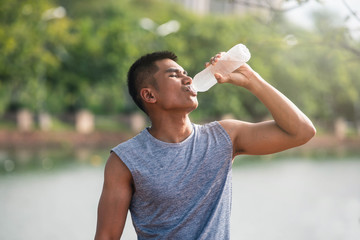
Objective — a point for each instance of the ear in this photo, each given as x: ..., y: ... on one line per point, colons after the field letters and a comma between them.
x: 147, y: 95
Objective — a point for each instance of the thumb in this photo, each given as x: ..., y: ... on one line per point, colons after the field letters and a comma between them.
x: 222, y: 79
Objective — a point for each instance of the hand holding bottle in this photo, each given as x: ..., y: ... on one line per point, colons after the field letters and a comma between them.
x: 240, y: 77
x: 226, y: 63
x: 244, y: 76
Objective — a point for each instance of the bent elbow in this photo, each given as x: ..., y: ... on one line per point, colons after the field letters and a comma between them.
x: 307, y: 133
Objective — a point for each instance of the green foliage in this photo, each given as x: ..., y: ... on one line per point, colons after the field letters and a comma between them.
x: 80, y: 60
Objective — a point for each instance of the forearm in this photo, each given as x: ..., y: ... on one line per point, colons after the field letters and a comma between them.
x: 287, y: 116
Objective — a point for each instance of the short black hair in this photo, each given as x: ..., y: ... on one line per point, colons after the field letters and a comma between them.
x: 143, y: 69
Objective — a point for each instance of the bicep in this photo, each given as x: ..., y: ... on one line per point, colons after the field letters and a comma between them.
x: 258, y: 138
x: 115, y: 199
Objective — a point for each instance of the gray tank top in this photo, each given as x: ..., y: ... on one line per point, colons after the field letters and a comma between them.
x: 182, y: 190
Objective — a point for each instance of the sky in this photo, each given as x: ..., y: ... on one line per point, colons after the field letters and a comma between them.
x: 302, y: 15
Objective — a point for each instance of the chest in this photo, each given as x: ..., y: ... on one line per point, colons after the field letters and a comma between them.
x: 179, y: 175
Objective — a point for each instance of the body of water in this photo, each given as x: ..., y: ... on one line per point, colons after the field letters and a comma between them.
x: 295, y: 198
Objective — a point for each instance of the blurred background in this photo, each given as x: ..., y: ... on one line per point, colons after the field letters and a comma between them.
x: 64, y: 105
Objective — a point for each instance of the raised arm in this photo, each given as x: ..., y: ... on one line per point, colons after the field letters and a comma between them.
x: 115, y: 199
x: 290, y: 127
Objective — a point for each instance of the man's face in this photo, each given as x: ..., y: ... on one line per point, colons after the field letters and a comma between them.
x: 174, y: 92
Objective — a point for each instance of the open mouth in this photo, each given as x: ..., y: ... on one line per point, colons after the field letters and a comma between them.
x: 191, y: 89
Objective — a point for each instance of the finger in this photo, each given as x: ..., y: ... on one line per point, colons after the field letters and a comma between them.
x: 220, y: 78
x: 223, y: 78
x: 211, y: 62
x: 216, y: 58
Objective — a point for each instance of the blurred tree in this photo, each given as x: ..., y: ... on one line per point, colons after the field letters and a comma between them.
x: 337, y: 61
x: 62, y: 56
x: 34, y: 36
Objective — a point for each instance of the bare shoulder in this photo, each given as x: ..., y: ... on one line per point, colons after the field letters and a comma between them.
x: 230, y: 123
x: 233, y: 127
x: 236, y: 130
x: 116, y: 170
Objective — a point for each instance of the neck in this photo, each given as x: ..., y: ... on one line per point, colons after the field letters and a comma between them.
x: 170, y: 128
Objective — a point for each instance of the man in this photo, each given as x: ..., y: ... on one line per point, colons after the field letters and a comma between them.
x: 175, y: 176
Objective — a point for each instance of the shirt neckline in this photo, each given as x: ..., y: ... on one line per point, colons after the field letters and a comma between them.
x: 167, y: 144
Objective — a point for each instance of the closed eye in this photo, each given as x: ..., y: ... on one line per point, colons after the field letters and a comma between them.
x: 176, y: 72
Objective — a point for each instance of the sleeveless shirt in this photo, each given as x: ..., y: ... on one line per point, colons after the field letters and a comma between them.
x: 182, y: 190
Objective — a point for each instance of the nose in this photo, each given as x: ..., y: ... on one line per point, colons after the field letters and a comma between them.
x: 187, y: 80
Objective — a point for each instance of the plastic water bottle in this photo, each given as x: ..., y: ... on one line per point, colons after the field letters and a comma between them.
x: 229, y: 61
